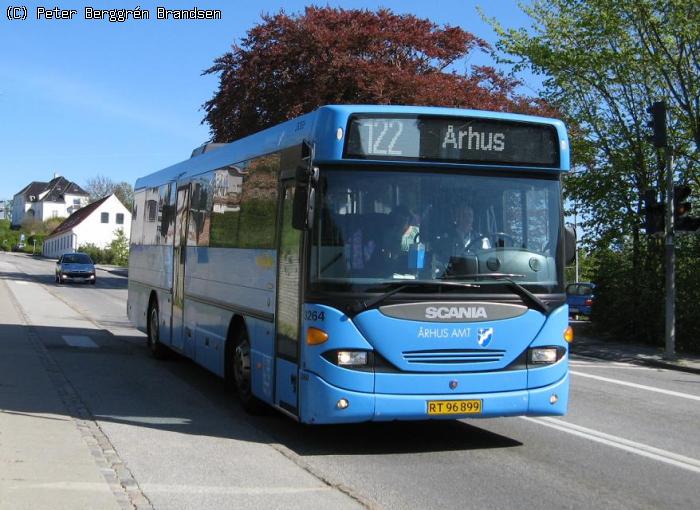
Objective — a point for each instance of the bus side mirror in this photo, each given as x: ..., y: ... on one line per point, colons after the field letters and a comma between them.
x: 303, y: 207
x: 569, y: 244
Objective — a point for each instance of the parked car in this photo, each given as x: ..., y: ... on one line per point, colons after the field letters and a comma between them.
x: 75, y: 267
x: 580, y: 297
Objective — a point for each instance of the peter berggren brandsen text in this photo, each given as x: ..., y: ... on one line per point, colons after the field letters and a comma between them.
x: 122, y: 15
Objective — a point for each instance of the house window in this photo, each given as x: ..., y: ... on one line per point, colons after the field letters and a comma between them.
x: 120, y: 219
x: 104, y: 217
x: 76, y: 202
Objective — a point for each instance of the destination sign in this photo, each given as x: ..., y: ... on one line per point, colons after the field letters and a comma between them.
x: 451, y: 139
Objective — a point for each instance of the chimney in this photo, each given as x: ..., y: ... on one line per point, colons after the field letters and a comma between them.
x: 56, y: 174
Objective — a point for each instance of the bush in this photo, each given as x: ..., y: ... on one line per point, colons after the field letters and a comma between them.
x: 8, y: 237
x: 117, y: 253
x: 629, y: 303
x: 96, y: 254
x: 119, y: 249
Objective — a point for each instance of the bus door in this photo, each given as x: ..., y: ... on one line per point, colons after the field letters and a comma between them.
x: 287, y: 316
x: 179, y: 253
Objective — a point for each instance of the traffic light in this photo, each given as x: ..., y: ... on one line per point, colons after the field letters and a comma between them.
x: 658, y: 124
x: 681, y: 210
x: 653, y: 213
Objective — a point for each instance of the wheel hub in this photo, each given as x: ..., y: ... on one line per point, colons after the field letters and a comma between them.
x: 241, y: 366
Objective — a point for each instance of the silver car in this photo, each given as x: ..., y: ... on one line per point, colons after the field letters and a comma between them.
x: 75, y: 267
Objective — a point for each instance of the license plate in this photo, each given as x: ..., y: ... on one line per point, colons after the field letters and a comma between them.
x: 437, y: 407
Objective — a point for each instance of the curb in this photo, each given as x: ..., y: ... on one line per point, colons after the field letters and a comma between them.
x: 642, y: 361
x: 671, y: 366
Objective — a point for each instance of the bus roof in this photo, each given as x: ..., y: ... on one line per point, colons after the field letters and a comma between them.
x: 325, y: 128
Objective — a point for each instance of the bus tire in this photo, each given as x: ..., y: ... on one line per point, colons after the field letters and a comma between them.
x: 155, y: 347
x: 240, y: 374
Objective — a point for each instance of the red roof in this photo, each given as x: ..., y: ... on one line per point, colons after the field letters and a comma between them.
x: 77, y: 217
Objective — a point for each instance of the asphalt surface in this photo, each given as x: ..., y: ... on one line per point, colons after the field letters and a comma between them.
x: 630, y: 439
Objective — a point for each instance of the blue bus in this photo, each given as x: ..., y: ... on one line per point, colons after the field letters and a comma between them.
x: 365, y: 263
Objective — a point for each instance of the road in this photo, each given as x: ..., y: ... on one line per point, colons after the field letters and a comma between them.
x: 630, y: 440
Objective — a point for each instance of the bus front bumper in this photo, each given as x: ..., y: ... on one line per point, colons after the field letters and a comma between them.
x: 323, y: 403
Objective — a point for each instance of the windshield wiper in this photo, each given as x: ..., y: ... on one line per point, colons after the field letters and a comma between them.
x: 372, y: 303
x: 526, y: 295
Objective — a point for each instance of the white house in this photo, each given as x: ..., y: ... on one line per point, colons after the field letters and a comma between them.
x: 57, y: 198
x: 4, y: 210
x: 96, y: 223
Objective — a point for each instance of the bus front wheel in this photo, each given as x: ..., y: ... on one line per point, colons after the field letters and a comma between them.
x: 157, y: 349
x: 242, y: 375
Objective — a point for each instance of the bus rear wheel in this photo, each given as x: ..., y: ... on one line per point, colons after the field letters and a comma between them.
x: 157, y: 349
x: 242, y: 375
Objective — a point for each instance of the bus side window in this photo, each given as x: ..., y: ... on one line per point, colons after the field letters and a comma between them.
x: 137, y: 217
x: 258, y: 216
x: 244, y: 204
x: 200, y: 211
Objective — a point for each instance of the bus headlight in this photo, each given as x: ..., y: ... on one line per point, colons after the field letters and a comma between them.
x: 545, y: 355
x: 352, y: 358
x: 357, y: 359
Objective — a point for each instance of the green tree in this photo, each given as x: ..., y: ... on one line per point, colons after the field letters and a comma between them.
x: 587, y: 265
x: 100, y: 186
x: 119, y: 248
x: 603, y: 63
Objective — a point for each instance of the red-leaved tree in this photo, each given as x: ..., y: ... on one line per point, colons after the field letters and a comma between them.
x: 290, y: 65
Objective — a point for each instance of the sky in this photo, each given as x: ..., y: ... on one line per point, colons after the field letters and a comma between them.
x: 82, y: 98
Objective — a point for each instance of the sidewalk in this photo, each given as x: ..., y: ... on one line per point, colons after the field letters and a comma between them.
x: 116, y: 270
x: 46, y: 458
x: 587, y: 344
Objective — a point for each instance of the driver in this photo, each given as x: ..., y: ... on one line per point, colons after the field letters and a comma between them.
x: 465, y: 235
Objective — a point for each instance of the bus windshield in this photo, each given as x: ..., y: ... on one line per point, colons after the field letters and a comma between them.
x: 379, y: 226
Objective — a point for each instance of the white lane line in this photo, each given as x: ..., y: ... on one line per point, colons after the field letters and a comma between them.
x: 227, y: 490
x: 611, y: 364
x: 79, y: 341
x: 609, y: 367
x: 638, y: 386
x: 641, y: 449
x: 62, y: 486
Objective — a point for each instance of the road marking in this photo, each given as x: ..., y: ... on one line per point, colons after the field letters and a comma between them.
x: 641, y: 449
x: 63, y: 486
x: 227, y: 490
x: 638, y: 386
x: 145, y: 420
x: 612, y: 364
x: 79, y: 341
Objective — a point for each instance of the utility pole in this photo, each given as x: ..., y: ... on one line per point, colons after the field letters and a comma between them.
x: 660, y: 141
x: 670, y: 258
x: 576, y: 230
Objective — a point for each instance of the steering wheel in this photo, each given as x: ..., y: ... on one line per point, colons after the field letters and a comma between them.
x: 508, y: 240
x: 475, y: 241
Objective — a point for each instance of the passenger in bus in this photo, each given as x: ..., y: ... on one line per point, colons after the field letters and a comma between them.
x: 377, y: 242
x: 402, y: 223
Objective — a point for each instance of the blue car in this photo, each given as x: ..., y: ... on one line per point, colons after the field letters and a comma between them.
x: 580, y: 297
